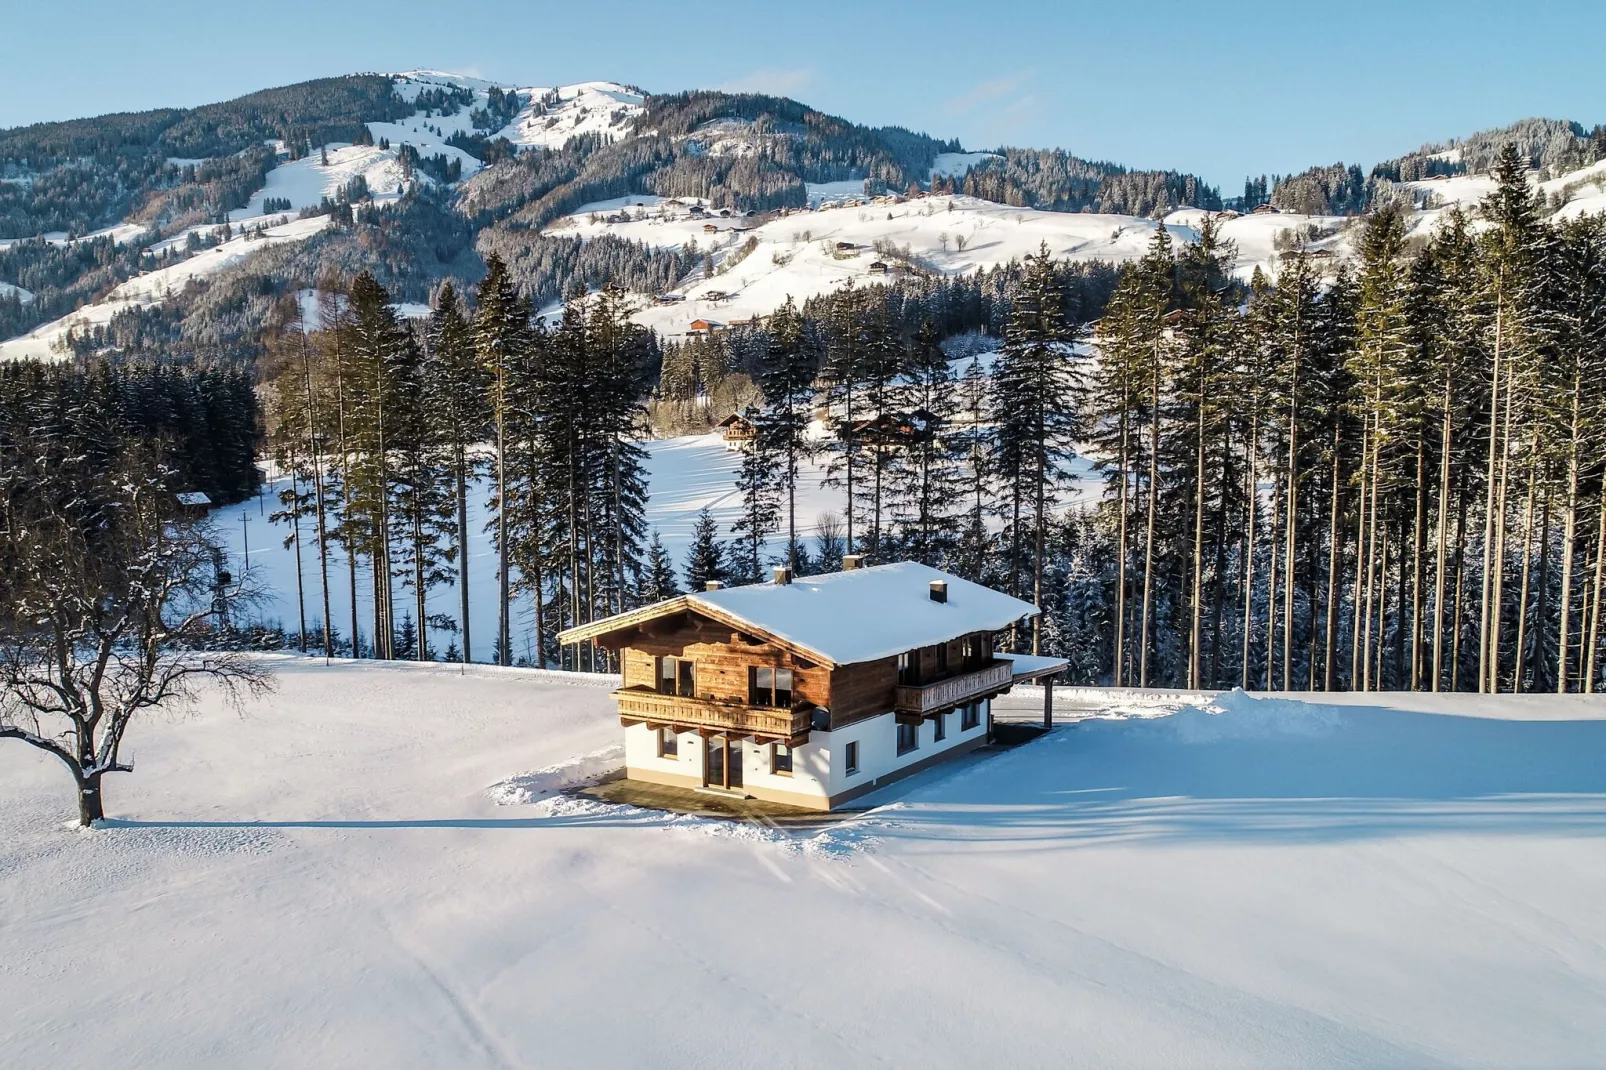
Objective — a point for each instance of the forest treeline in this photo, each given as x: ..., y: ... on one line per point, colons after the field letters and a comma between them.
x: 70, y: 422
x: 1390, y: 476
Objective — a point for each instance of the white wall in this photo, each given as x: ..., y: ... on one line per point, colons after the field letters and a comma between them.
x: 878, y: 747
x: 817, y: 766
x: 641, y: 752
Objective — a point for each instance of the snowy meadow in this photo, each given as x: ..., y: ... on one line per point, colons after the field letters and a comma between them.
x: 376, y: 866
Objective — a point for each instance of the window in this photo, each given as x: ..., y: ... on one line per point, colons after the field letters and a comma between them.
x: 973, y: 653
x: 677, y: 676
x: 850, y: 758
x: 909, y: 667
x: 781, y: 759
x: 969, y: 716
x: 939, y: 727
x: 942, y: 658
x: 908, y: 737
x: 668, y: 743
x: 769, y: 687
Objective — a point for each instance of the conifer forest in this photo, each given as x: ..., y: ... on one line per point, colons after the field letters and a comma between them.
x: 1385, y: 475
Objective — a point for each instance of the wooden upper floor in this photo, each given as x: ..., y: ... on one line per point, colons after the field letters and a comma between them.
x: 778, y: 659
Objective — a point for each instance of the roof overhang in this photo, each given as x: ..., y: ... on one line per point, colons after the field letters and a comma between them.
x: 636, y: 618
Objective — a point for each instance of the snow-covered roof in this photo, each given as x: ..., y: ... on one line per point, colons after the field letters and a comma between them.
x: 1032, y: 666
x: 193, y: 497
x: 843, y: 618
x: 868, y: 613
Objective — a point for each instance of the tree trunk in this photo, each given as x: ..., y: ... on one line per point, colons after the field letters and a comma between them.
x: 1484, y: 622
x: 1330, y: 625
x: 462, y: 552
x: 1443, y: 529
x: 91, y: 806
x: 1148, y: 539
x: 1568, y: 547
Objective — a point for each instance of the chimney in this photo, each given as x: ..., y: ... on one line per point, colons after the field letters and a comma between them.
x: 714, y: 585
x: 850, y: 562
x: 783, y: 576
x: 939, y: 590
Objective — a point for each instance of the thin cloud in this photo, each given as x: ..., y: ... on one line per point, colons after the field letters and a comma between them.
x: 986, y: 93
x: 776, y: 81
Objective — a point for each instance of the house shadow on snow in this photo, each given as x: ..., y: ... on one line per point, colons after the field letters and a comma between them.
x: 1273, y: 770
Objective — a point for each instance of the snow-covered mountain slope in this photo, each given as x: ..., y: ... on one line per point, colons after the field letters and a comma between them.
x: 601, y: 108
x: 758, y: 261
x: 154, y: 287
x: 802, y: 254
x: 373, y: 867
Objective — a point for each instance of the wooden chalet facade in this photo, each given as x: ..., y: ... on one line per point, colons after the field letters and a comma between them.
x: 738, y: 430
x: 812, y: 691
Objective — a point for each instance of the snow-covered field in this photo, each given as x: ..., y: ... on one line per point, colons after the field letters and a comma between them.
x: 363, y: 870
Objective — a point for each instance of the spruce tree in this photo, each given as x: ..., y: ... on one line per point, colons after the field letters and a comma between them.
x: 705, y: 557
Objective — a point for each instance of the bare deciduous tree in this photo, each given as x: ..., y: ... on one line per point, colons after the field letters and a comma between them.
x: 108, y: 600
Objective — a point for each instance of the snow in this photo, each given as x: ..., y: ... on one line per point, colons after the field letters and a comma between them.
x: 371, y: 868
x: 684, y: 476
x: 868, y: 613
x: 956, y: 164
x: 796, y: 254
x: 7, y: 290
x: 152, y: 287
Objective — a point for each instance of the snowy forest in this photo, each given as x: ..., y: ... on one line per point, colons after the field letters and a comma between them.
x: 1385, y: 476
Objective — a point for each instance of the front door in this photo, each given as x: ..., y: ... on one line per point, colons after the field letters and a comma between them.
x: 722, y: 762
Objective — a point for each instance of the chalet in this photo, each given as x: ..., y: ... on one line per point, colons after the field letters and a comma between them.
x: 739, y: 430
x: 895, y: 430
x: 879, y: 267
x: 192, y: 503
x: 845, y: 247
x: 813, y: 691
x: 668, y: 299
x: 1265, y: 209
x: 709, y: 228
x: 702, y: 327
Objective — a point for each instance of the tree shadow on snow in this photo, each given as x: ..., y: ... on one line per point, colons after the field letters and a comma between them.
x: 1274, y: 770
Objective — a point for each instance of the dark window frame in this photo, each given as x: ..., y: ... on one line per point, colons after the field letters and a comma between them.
x: 668, y: 743
x: 850, y: 758
x: 780, y: 763
x: 911, y: 732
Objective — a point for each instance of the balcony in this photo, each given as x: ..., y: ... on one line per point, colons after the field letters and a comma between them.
x: 923, y: 699
x: 641, y: 704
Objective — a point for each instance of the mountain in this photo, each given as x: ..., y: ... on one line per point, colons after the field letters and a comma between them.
x: 181, y: 233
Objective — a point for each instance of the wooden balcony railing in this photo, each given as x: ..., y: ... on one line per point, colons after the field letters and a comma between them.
x: 638, y: 703
x: 954, y: 691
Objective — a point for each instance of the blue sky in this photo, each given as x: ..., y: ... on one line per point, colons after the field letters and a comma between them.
x: 1220, y: 90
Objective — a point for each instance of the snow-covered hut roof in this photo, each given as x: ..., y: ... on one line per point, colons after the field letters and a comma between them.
x: 192, y: 498
x: 843, y: 618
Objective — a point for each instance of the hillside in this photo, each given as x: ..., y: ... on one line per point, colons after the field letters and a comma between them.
x: 138, y: 232
x: 368, y: 869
